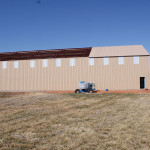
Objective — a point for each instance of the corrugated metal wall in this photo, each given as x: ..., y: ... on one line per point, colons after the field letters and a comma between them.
x: 112, y: 76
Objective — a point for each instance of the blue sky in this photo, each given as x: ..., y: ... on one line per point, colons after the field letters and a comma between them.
x: 50, y: 24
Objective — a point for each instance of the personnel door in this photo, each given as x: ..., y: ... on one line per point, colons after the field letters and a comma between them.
x: 142, y: 82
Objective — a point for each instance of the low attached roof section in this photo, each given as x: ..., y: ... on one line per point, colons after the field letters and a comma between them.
x: 41, y: 54
x: 114, y: 51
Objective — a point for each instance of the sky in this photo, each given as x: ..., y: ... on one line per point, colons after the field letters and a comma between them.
x: 52, y: 24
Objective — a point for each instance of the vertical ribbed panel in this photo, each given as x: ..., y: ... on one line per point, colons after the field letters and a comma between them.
x: 113, y: 76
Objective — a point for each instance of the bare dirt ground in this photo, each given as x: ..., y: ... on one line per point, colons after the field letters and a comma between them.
x: 46, y: 121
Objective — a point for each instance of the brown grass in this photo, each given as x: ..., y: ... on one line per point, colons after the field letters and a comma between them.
x: 45, y: 121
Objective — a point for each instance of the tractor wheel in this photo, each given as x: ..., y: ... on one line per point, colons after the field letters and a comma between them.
x: 90, y: 91
x: 77, y: 91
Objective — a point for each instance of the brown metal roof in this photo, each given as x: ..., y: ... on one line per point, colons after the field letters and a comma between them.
x: 133, y: 50
x: 41, y: 54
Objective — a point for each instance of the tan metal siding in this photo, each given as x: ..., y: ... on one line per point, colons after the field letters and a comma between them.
x: 112, y: 76
x: 132, y: 50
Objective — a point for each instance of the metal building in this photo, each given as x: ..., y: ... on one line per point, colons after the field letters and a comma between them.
x: 113, y: 68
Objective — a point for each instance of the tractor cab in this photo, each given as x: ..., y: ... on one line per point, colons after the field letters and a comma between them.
x: 85, y: 87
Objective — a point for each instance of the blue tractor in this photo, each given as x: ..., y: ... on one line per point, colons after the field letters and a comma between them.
x: 85, y: 87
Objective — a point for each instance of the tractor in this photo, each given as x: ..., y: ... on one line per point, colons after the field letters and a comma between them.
x: 85, y: 87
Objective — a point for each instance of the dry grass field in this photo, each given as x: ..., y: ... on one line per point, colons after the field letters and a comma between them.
x: 44, y: 121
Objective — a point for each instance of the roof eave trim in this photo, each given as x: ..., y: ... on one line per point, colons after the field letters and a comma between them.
x: 118, y: 56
